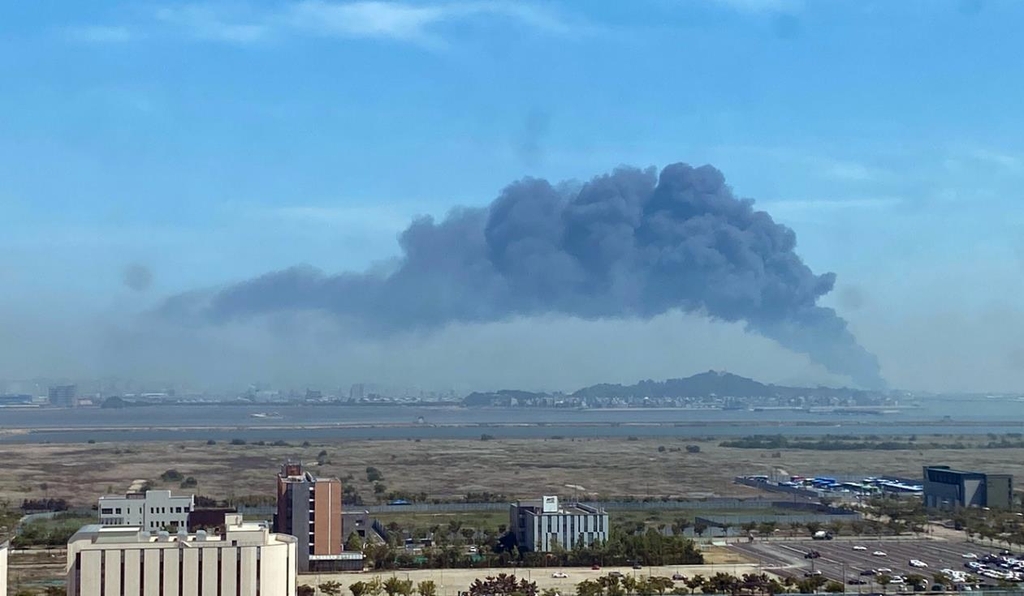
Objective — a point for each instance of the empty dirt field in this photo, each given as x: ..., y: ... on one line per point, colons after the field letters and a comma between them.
x: 449, y: 469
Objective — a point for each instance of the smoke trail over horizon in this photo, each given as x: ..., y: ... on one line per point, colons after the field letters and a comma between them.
x: 630, y: 244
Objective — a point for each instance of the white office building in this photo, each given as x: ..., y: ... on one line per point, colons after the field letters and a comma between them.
x: 149, y: 510
x: 542, y: 524
x: 3, y: 567
x: 248, y: 560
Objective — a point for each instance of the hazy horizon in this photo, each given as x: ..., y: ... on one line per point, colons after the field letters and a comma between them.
x: 264, y: 168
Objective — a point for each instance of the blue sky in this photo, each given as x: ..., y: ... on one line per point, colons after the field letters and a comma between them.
x: 214, y: 141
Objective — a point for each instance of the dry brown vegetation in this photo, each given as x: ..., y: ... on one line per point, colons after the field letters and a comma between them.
x: 449, y: 469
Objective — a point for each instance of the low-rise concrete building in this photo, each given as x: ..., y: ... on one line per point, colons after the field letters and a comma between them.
x: 3, y: 567
x: 541, y: 525
x: 146, y: 509
x: 247, y: 560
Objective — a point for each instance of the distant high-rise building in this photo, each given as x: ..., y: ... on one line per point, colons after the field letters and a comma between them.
x: 309, y: 508
x: 358, y: 391
x: 63, y: 396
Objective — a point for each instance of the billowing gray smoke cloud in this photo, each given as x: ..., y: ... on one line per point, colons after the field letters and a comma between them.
x: 137, y: 276
x: 632, y: 243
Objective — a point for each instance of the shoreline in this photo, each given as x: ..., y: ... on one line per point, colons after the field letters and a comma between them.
x: 554, y: 425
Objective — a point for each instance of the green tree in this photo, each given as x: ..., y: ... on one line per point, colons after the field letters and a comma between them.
x: 397, y: 587
x: 834, y: 587
x: 426, y: 588
x: 660, y: 584
x: 723, y: 583
x: 354, y: 542
x: 767, y: 528
x: 502, y: 585
x: 695, y: 583
x: 391, y: 586
x: 914, y: 580
x: 302, y: 590
x: 332, y: 588
x: 883, y: 580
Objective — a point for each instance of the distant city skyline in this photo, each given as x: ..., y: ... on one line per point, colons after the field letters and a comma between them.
x: 151, y: 151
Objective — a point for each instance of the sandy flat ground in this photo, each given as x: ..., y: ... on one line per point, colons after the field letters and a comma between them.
x: 449, y: 469
x: 452, y: 581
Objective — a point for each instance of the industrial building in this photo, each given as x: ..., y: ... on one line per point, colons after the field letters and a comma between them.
x: 541, y: 525
x: 945, y: 488
x: 146, y: 509
x: 247, y: 560
x: 309, y: 508
x: 64, y: 396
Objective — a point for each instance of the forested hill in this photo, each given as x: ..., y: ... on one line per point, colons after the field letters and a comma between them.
x: 711, y: 385
x: 722, y: 384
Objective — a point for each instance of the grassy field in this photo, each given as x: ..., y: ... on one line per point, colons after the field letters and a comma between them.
x: 446, y: 469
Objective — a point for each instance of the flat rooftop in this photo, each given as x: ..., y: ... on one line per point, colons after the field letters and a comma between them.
x: 562, y: 508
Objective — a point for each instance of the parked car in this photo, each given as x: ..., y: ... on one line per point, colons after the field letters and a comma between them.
x: 812, y: 555
x: 678, y: 577
x: 917, y: 563
x: 857, y: 582
x: 637, y: 566
x: 879, y: 553
x: 560, y: 574
x: 596, y: 567
x: 812, y: 573
x: 859, y: 547
x: 868, y: 572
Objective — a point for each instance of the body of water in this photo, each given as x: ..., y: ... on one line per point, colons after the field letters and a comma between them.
x: 331, y: 422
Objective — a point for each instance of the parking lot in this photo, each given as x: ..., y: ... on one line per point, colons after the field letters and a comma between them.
x: 841, y: 562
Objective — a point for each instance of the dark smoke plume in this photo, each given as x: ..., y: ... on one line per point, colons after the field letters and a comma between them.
x: 632, y: 243
x: 137, y: 276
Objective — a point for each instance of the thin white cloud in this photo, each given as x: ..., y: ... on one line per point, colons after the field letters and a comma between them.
x: 99, y: 34
x: 215, y: 24
x: 360, y: 19
x: 848, y: 170
x: 1012, y: 163
x: 829, y: 205
x: 383, y: 216
x: 759, y: 6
